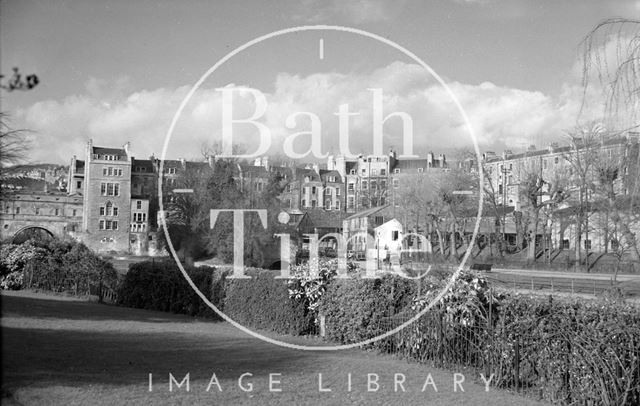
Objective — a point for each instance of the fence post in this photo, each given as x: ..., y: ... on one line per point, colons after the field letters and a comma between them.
x: 572, y: 286
x: 531, y: 283
x: 594, y: 287
x: 552, y: 284
x: 517, y: 362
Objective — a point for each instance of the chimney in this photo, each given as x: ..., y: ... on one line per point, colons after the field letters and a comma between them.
x: 316, y: 168
x: 265, y: 162
x: 341, y: 165
x: 257, y: 161
x: 127, y: 147
x: 331, y: 163
x: 89, y: 150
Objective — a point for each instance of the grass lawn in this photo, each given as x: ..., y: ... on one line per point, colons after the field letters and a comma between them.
x: 68, y: 352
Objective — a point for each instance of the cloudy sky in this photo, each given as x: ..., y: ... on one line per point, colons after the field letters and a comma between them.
x: 117, y: 71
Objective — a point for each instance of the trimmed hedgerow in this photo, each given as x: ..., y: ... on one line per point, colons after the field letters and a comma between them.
x: 353, y: 308
x: 159, y: 285
x: 263, y: 302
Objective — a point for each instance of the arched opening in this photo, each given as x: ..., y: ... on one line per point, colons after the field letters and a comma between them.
x: 32, y: 233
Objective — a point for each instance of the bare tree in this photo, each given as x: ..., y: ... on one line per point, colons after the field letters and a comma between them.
x: 13, y: 143
x: 611, y: 59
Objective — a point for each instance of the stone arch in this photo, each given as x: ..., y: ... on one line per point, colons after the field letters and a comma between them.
x: 32, y: 232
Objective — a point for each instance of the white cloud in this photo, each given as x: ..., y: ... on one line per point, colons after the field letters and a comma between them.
x: 499, y: 115
x: 352, y: 11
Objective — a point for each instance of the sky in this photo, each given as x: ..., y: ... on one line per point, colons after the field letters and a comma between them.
x: 117, y: 71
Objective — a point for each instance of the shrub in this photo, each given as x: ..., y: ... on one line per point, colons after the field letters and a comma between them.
x: 57, y: 266
x: 159, y: 285
x: 354, y: 308
x: 12, y: 281
x: 263, y: 302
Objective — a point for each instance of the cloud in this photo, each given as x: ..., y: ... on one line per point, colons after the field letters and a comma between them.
x: 500, y: 116
x: 352, y: 11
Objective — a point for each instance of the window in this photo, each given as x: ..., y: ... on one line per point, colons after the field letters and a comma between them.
x: 420, y: 170
x: 337, y: 191
x: 37, y: 210
x: 313, y: 190
x: 102, y: 212
x: 109, y: 189
x: 365, y: 185
x: 353, y: 172
x: 101, y: 225
x: 556, y: 160
x: 332, y: 179
x: 374, y: 185
x: 396, y: 183
x: 304, y: 203
x: 383, y: 172
x: 350, y: 187
x: 337, y: 204
x: 374, y: 172
x: 350, y: 202
x: 327, y: 204
x: 57, y: 212
x: 500, y: 188
x: 288, y: 188
x: 313, y: 203
x: 394, y: 235
x: 614, y: 244
x: 74, y: 212
x: 139, y: 204
x: 17, y: 210
x: 171, y: 171
x: 396, y: 170
x: 79, y: 184
x: 383, y: 184
x: 327, y: 191
x: 587, y: 244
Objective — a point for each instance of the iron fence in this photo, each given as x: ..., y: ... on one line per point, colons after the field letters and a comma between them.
x: 564, y: 367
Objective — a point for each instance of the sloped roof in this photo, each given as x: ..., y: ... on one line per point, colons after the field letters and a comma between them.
x: 109, y: 151
x: 367, y: 212
x: 142, y: 163
x: 412, y: 164
x: 325, y: 173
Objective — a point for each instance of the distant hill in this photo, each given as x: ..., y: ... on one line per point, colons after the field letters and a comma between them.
x: 34, y: 177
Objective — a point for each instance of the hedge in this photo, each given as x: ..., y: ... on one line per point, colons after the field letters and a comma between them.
x: 59, y: 266
x: 263, y: 302
x: 159, y: 285
x: 353, y: 308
